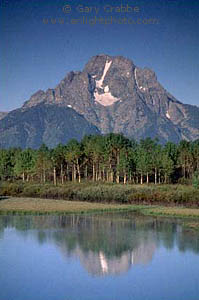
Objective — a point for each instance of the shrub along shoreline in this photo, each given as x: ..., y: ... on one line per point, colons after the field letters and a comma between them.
x: 178, y: 201
x: 165, y: 195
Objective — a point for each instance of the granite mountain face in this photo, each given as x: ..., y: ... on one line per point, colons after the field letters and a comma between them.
x: 112, y: 94
x: 49, y: 124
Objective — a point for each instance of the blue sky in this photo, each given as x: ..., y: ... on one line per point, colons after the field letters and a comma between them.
x: 37, y: 56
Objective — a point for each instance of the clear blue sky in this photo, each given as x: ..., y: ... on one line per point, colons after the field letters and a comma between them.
x: 37, y: 56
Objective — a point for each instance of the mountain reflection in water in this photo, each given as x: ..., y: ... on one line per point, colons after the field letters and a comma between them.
x: 105, y: 244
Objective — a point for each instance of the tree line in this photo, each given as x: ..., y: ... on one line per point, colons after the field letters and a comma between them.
x: 108, y: 158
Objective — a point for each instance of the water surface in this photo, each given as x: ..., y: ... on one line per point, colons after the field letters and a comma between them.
x: 97, y: 257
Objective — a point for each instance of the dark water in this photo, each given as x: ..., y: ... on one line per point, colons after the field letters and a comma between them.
x: 97, y: 257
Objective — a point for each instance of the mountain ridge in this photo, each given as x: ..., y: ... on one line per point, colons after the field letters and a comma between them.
x: 114, y: 95
x: 29, y: 128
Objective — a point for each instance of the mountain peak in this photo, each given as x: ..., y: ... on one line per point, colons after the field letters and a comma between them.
x: 115, y: 95
x: 99, y: 61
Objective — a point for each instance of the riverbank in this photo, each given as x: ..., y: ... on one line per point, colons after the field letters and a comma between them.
x: 27, y: 206
x: 17, y: 205
x: 163, y: 195
x: 47, y: 206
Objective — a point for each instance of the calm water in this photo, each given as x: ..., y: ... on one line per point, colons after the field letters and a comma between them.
x: 97, y: 257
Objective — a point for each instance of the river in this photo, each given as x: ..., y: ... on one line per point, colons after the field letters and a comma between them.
x: 112, y: 256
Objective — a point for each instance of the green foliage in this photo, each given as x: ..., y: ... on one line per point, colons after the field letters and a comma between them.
x: 104, y: 193
x: 25, y: 161
x: 11, y: 189
x: 7, y: 163
x: 195, y: 180
x: 107, y: 192
x: 109, y: 158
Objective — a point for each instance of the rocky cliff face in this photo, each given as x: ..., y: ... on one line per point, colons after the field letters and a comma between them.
x: 43, y: 124
x: 115, y: 95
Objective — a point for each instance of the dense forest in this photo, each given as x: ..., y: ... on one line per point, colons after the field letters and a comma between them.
x: 108, y: 158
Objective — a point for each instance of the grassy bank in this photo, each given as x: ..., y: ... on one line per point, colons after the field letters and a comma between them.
x: 166, y: 195
x: 172, y: 212
x: 49, y: 206
x: 34, y: 206
x: 23, y: 206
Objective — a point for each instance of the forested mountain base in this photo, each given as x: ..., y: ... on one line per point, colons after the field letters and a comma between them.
x: 110, y: 158
x: 108, y: 168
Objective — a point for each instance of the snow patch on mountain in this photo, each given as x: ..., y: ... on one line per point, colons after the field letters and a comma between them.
x: 135, y: 74
x: 105, y: 99
x: 168, y: 115
x: 139, y: 87
x: 106, y: 89
x: 106, y: 68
